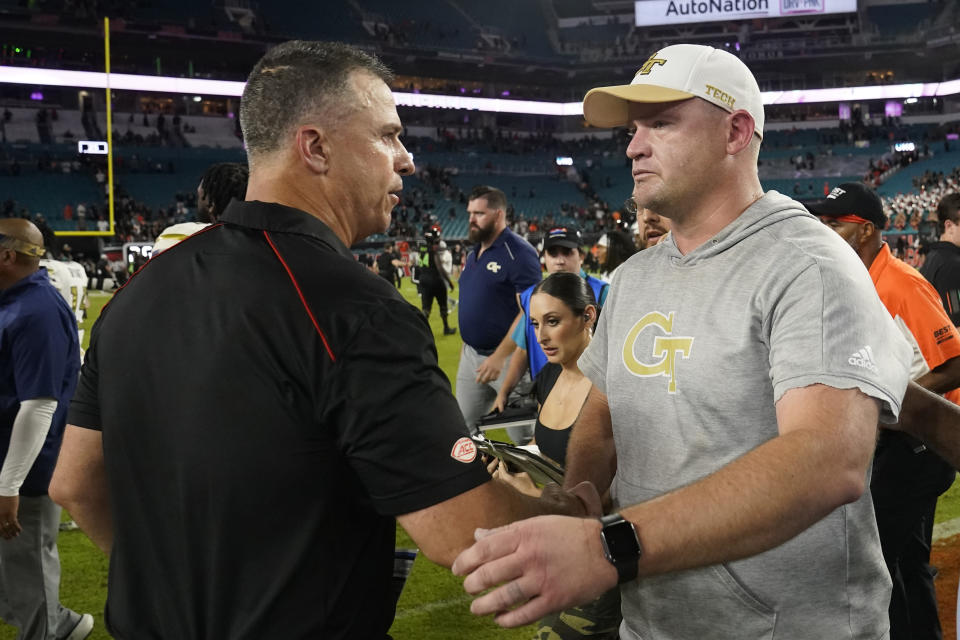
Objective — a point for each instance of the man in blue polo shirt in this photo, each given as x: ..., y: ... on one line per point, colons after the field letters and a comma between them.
x: 500, y: 266
x: 39, y: 364
x: 562, y: 251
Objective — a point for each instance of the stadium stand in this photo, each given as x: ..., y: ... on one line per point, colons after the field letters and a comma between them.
x: 212, y: 131
x: 902, y: 181
x: 314, y: 20
x: 440, y: 24
x: 804, y: 163
x: 24, y: 125
x: 47, y: 193
x: 154, y: 165
x: 894, y: 19
x: 516, y: 23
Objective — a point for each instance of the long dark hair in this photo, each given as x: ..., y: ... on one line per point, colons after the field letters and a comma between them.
x: 570, y: 289
x: 221, y: 183
x: 619, y: 247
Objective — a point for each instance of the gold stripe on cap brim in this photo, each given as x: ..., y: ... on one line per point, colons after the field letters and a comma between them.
x: 24, y: 247
x: 609, y: 106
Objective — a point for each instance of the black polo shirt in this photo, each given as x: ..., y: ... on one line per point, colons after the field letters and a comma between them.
x: 942, y: 270
x: 268, y: 406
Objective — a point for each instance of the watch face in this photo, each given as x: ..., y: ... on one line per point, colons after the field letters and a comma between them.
x: 621, y: 540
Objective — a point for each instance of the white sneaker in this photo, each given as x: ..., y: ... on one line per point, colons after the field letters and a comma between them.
x: 83, y: 629
x: 69, y: 525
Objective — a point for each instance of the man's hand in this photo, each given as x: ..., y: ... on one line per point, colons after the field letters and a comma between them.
x: 489, y: 370
x: 933, y: 419
x: 9, y: 525
x: 581, y: 501
x: 520, y: 481
x: 499, y: 404
x: 534, y: 560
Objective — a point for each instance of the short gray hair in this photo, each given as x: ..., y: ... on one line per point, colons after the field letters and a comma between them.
x: 296, y: 79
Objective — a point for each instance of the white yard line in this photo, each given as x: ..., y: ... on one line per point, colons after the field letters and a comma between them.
x: 946, y: 529
x: 433, y: 606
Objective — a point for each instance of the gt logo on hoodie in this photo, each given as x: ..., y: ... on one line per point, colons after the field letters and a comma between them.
x: 665, y: 347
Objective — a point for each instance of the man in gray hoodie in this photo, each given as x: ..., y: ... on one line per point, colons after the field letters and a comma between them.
x: 740, y: 369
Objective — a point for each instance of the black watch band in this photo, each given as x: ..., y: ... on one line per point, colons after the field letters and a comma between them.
x: 621, y: 546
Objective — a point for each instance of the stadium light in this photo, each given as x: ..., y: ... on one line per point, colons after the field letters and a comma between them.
x: 198, y: 86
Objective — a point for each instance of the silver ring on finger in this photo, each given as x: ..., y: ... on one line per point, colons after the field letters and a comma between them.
x: 517, y: 596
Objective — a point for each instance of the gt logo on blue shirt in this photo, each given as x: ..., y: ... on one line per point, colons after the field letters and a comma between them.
x: 493, y: 266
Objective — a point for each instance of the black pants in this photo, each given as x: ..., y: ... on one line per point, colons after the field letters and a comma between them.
x: 429, y: 291
x: 390, y: 275
x: 101, y: 277
x: 905, y: 488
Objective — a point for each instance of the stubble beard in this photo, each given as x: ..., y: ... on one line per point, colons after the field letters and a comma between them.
x: 648, y: 198
x: 666, y: 203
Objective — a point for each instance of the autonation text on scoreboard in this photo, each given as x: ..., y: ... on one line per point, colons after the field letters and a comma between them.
x: 660, y: 12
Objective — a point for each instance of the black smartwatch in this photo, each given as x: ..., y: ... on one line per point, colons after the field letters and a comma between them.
x: 621, y: 546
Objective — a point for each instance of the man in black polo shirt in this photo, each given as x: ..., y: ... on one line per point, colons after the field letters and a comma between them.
x: 247, y: 480
x: 387, y: 263
x: 942, y: 266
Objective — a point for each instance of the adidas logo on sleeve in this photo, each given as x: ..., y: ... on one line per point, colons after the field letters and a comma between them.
x: 864, y: 358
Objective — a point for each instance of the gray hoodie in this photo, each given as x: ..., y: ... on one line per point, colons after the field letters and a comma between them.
x: 693, y: 352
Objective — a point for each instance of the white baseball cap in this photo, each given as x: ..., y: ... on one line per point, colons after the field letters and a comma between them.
x: 680, y: 72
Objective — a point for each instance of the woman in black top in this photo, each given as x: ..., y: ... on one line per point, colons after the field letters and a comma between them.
x: 563, y: 312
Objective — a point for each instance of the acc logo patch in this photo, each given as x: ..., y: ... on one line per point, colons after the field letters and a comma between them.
x: 464, y: 450
x: 493, y: 266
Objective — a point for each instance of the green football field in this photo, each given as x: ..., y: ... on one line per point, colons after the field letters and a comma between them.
x: 433, y: 605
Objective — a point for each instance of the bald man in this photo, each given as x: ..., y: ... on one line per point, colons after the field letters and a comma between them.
x: 39, y: 364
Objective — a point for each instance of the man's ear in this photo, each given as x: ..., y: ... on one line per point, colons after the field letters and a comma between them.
x: 313, y: 148
x: 741, y: 131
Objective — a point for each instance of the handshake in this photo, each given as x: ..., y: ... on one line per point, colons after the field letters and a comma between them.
x: 534, y: 560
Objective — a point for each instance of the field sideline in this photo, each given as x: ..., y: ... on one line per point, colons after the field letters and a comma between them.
x: 433, y: 605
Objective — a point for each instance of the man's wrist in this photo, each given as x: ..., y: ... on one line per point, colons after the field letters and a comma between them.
x: 594, y: 541
x: 621, y: 546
